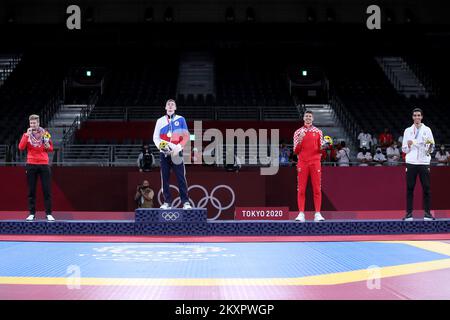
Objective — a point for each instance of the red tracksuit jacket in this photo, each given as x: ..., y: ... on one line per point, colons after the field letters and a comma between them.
x: 35, y: 155
x: 310, y: 148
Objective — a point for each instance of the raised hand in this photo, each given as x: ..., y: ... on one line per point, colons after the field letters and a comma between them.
x: 301, y: 135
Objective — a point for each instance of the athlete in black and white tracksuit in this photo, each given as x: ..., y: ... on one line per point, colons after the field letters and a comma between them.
x: 418, y: 144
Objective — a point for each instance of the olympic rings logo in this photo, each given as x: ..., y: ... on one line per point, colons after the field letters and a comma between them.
x: 161, y: 253
x: 203, y: 202
x: 170, y: 216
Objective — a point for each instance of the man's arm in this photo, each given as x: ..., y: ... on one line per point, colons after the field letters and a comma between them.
x: 186, y: 135
x: 23, y: 142
x: 137, y: 195
x: 149, y: 197
x: 431, y: 148
x: 406, y: 148
x: 298, y: 141
x: 156, y: 138
x: 49, y: 148
x: 322, y: 143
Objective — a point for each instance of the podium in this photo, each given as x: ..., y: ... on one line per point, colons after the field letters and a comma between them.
x: 176, y: 215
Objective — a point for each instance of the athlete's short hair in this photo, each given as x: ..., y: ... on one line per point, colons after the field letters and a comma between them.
x: 417, y: 110
x: 33, y: 117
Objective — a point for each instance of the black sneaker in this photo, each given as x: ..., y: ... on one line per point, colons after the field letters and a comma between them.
x: 30, y: 218
x: 428, y: 217
x: 408, y: 217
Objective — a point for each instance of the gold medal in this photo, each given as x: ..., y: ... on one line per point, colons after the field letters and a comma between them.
x: 169, y: 134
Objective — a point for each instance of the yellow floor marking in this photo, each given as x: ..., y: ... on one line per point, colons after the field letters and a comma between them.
x: 434, y: 246
x: 323, y: 279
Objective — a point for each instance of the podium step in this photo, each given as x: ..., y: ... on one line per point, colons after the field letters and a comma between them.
x: 196, y: 215
x: 226, y: 228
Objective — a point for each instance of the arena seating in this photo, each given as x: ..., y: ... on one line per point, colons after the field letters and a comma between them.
x: 138, y: 89
x: 369, y: 97
x: 249, y: 89
x: 31, y: 88
x: 251, y: 78
x: 142, y: 81
x: 432, y: 69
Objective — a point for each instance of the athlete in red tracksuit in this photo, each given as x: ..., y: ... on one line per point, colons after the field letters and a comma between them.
x: 38, y: 145
x: 308, y: 144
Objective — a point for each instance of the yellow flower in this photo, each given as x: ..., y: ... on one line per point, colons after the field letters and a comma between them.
x: 47, y: 135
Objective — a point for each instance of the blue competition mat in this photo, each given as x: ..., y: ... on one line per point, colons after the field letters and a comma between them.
x: 202, y: 260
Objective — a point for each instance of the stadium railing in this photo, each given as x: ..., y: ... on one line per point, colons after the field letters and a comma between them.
x: 124, y: 113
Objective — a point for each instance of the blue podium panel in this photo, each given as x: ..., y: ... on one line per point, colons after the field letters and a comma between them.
x: 195, y: 215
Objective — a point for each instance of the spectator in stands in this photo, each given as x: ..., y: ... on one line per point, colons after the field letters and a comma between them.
x: 365, y: 140
x: 364, y: 157
x: 144, y: 195
x: 343, y: 155
x: 285, y: 154
x: 442, y: 156
x: 385, y: 139
x: 393, y: 154
x: 374, y: 143
x: 38, y: 144
x: 146, y: 159
x: 379, y: 158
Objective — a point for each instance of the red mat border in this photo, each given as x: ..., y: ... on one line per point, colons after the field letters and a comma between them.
x: 199, y: 239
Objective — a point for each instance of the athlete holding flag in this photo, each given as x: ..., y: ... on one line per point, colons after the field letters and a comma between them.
x: 308, y: 145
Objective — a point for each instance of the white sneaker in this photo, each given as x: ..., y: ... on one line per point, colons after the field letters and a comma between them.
x: 30, y: 217
x: 187, y: 206
x: 300, y: 217
x: 318, y: 217
x: 165, y: 206
x: 50, y: 218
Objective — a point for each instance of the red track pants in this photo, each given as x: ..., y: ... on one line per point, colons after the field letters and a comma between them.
x: 304, y: 170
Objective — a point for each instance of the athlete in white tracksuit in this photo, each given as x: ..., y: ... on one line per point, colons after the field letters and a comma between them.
x: 418, y: 144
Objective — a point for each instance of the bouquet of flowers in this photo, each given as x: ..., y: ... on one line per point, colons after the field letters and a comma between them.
x: 328, y: 140
x: 46, y: 137
x: 429, y: 144
x: 165, y: 147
